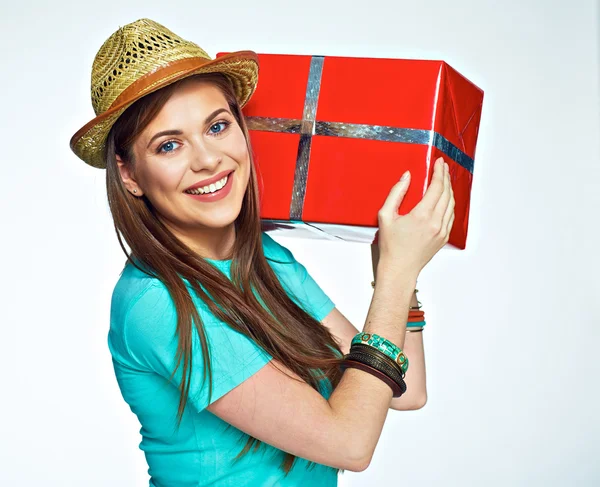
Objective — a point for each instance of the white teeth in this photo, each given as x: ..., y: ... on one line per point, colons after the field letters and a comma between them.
x: 210, y: 188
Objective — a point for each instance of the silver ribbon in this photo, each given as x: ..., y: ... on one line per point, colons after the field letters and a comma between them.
x: 308, y: 126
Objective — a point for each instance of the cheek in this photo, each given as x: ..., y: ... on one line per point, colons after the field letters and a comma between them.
x: 165, y: 177
x: 240, y: 149
x: 244, y: 161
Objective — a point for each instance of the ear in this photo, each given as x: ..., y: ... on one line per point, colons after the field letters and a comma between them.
x: 127, y: 177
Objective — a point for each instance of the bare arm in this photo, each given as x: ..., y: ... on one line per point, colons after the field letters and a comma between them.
x: 288, y: 414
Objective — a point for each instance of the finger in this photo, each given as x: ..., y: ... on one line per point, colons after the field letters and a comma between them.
x: 435, y: 189
x: 450, y: 207
x: 450, y: 224
x: 448, y: 215
x: 442, y: 204
x: 394, y: 199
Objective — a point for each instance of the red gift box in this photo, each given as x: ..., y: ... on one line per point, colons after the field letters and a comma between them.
x: 332, y: 135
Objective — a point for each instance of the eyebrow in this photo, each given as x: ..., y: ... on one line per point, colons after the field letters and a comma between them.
x: 179, y: 132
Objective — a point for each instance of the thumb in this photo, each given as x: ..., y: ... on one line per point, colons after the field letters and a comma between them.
x: 394, y: 199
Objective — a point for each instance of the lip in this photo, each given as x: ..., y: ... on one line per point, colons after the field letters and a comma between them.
x: 209, y: 181
x: 217, y: 195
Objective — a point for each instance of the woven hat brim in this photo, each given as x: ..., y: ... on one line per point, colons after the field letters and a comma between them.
x: 240, y: 67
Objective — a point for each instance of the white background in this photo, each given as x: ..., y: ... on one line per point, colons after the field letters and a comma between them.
x: 513, y: 321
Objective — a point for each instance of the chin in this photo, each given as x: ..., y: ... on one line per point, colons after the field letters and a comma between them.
x: 215, y: 225
x: 220, y: 220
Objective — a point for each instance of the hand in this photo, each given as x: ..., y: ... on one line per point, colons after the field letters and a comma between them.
x: 408, y: 242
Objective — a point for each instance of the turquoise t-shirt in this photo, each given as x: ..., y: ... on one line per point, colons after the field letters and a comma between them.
x: 143, y: 344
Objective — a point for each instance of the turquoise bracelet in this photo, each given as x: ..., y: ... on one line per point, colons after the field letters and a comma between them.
x: 383, y: 345
x: 415, y: 324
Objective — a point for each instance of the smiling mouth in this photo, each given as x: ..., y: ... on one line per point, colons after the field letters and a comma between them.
x: 211, y: 188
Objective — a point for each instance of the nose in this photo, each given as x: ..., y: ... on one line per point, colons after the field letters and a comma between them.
x: 205, y: 156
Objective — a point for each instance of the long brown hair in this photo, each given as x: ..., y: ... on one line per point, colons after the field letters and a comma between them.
x: 289, y: 335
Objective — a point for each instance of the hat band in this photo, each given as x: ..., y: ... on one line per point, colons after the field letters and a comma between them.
x: 159, y: 75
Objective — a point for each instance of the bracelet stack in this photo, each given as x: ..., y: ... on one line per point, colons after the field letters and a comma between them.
x: 416, y: 319
x: 379, y: 357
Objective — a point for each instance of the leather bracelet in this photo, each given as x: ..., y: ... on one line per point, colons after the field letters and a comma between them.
x: 399, y: 387
x: 396, y: 390
x: 359, y: 347
x: 414, y: 329
x: 377, y: 363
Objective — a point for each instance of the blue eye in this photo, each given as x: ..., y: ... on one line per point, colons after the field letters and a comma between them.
x: 167, y: 146
x: 217, y: 125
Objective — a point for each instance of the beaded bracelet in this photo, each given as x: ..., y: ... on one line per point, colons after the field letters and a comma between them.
x: 383, y: 345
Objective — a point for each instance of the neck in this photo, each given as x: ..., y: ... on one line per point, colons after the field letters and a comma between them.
x: 207, y: 242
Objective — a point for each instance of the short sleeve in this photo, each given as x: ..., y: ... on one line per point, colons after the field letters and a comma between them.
x: 297, y: 280
x: 151, y: 340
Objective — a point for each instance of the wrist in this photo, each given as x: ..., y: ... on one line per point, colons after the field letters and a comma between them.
x: 385, y: 272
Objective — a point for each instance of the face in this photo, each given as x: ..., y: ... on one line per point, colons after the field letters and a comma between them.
x: 194, y: 141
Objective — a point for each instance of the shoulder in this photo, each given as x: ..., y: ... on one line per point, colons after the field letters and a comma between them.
x: 276, y: 252
x: 140, y: 309
x: 139, y: 299
x: 296, y: 280
x: 130, y: 287
x: 284, y: 264
x: 143, y: 322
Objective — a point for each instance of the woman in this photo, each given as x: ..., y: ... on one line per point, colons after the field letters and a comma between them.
x: 225, y: 348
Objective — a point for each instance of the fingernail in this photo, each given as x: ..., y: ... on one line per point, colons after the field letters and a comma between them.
x: 405, y: 176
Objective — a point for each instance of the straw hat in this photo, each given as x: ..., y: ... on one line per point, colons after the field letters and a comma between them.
x: 143, y: 57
